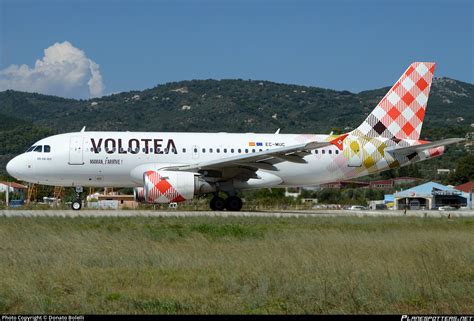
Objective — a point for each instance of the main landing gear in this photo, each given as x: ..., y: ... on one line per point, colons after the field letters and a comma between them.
x: 231, y: 203
x: 76, y: 205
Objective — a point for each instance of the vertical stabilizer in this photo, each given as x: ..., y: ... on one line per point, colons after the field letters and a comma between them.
x: 401, y: 112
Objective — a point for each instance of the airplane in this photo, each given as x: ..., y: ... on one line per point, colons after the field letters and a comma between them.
x: 164, y: 167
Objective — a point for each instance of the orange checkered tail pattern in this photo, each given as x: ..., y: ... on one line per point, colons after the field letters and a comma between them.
x: 401, y: 112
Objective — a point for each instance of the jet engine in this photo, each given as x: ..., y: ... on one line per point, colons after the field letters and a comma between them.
x: 171, y: 186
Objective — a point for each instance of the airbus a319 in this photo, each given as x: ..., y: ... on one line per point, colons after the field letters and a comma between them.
x: 174, y: 167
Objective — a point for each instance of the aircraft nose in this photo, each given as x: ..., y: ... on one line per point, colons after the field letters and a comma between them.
x: 13, y: 167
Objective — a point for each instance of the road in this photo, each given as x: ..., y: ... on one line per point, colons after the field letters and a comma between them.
x: 178, y: 213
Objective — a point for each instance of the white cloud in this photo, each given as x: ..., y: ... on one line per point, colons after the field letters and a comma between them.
x: 63, y: 71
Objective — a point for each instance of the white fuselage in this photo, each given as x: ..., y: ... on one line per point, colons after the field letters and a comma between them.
x: 95, y: 158
x: 119, y: 159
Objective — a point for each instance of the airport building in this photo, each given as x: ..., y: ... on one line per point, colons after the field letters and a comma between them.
x: 12, y: 187
x: 466, y: 187
x: 379, y: 184
x: 111, y: 201
x: 429, y: 196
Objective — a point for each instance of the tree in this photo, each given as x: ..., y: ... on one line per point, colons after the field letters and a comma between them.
x: 391, y: 173
x: 464, y: 170
x: 413, y: 171
x: 403, y: 171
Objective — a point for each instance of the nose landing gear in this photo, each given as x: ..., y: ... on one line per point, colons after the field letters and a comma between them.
x: 76, y: 205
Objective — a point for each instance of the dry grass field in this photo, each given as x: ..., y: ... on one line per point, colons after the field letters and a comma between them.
x: 236, y: 265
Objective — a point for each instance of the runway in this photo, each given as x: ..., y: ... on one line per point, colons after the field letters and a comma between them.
x: 283, y: 214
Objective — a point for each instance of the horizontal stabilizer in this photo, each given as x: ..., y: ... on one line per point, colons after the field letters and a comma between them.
x: 422, y: 147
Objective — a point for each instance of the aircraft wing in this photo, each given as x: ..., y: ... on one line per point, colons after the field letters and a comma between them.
x: 259, y: 160
x: 422, y: 147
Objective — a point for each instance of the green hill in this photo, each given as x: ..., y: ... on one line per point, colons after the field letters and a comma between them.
x: 225, y: 105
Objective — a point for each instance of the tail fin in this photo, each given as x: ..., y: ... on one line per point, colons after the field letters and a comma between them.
x: 401, y: 112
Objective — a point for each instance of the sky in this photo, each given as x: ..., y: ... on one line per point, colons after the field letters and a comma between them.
x: 84, y: 48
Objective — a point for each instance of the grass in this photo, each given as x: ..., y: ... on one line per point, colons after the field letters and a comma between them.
x: 236, y: 265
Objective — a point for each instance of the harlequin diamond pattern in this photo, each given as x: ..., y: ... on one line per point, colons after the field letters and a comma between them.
x: 373, y: 156
x: 405, y: 103
x: 159, y: 190
x: 393, y: 112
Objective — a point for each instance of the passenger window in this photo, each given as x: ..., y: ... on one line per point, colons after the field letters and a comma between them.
x: 246, y: 150
x: 218, y: 150
x: 225, y: 150
x: 323, y: 151
x: 337, y: 152
x: 260, y: 150
x: 195, y: 150
x: 38, y: 149
x: 184, y: 150
x: 203, y: 150
x: 253, y: 150
x: 47, y: 148
x: 210, y: 150
x: 330, y: 151
x: 232, y: 150
x: 316, y: 151
x: 239, y: 150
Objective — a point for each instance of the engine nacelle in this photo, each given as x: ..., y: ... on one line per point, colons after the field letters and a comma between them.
x: 171, y: 186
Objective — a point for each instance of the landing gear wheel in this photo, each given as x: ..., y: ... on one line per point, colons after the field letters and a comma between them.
x: 217, y: 204
x: 233, y: 203
x: 76, y: 205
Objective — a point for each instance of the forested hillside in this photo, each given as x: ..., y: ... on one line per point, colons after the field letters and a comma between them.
x: 225, y: 105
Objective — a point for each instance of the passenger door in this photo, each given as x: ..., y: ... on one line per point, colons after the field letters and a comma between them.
x: 76, y: 147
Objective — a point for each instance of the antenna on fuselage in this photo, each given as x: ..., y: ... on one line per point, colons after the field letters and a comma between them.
x: 277, y: 132
x: 83, y: 129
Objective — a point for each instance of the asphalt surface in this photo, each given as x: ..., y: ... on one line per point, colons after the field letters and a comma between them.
x: 178, y: 213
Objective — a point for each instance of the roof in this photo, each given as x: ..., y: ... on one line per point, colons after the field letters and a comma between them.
x: 466, y: 187
x: 382, y: 181
x: 423, y: 190
x: 403, y: 178
x: 14, y: 185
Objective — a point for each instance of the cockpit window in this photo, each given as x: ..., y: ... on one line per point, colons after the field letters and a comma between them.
x: 38, y: 149
x: 30, y: 149
x: 47, y: 148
